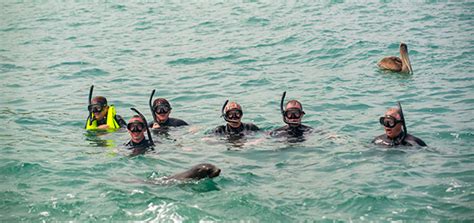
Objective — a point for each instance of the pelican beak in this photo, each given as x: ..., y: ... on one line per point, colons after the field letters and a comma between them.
x: 408, y: 64
x: 405, y: 58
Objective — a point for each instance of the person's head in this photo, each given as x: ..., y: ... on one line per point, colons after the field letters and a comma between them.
x: 98, y: 107
x: 293, y: 113
x: 233, y: 114
x: 162, y: 109
x: 136, y: 128
x: 392, y: 122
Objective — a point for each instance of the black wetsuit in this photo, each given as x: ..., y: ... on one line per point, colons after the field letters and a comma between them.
x: 241, y: 130
x: 171, y: 122
x: 139, y: 148
x: 118, y: 118
x: 409, y: 140
x: 291, y: 131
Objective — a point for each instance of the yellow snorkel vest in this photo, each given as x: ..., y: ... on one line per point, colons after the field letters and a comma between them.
x: 110, y: 120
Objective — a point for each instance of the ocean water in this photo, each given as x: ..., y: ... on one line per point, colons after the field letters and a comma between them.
x: 198, y: 54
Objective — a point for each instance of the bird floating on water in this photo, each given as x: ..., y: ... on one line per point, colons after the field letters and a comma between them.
x: 396, y: 64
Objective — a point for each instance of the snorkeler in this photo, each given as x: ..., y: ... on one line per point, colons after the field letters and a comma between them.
x: 102, y: 116
x: 292, y: 116
x: 138, y: 143
x: 393, y: 121
x: 232, y: 114
x: 161, y: 110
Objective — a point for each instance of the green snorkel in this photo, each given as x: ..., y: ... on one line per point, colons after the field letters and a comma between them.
x: 151, y: 105
x: 146, y: 124
x: 403, y: 120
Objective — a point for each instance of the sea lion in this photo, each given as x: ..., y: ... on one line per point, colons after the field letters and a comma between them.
x: 197, y: 172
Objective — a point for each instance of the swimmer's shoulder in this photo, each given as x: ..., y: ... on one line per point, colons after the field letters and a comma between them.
x: 177, y: 122
x: 380, y: 140
x: 414, y: 141
x: 251, y: 127
x: 219, y: 129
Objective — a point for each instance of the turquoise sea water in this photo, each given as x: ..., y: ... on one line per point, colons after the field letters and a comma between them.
x: 197, y: 54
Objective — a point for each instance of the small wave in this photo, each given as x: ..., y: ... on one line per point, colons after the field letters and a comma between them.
x: 207, y: 24
x: 161, y: 212
x: 121, y: 8
x: 257, y: 21
x: 48, y: 20
x: 143, y: 28
x: 256, y: 82
x: 86, y: 46
x: 365, y: 202
x: 12, y: 29
x: 284, y: 41
x: 191, y: 61
x: 247, y: 61
x: 17, y: 168
x: 78, y: 24
x: 5, y: 67
x: 95, y: 72
x: 70, y: 63
x: 143, y: 25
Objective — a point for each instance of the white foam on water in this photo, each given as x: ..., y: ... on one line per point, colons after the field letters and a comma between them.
x: 137, y: 192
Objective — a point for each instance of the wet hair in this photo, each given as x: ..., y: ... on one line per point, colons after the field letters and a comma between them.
x: 396, y: 110
x: 161, y: 101
x: 100, y: 100
x: 294, y: 102
x: 136, y: 117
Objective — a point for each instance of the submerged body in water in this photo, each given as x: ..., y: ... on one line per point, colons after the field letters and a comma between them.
x: 291, y: 131
x: 197, y: 172
x: 140, y: 147
x: 400, y: 140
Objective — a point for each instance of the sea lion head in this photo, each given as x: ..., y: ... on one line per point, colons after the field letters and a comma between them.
x: 205, y: 170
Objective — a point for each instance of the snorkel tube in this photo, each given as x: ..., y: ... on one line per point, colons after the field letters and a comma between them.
x: 146, y: 125
x: 90, y: 102
x: 403, y: 120
x: 151, y: 105
x: 281, y: 105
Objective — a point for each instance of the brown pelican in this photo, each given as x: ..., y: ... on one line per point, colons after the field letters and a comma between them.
x: 396, y: 64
